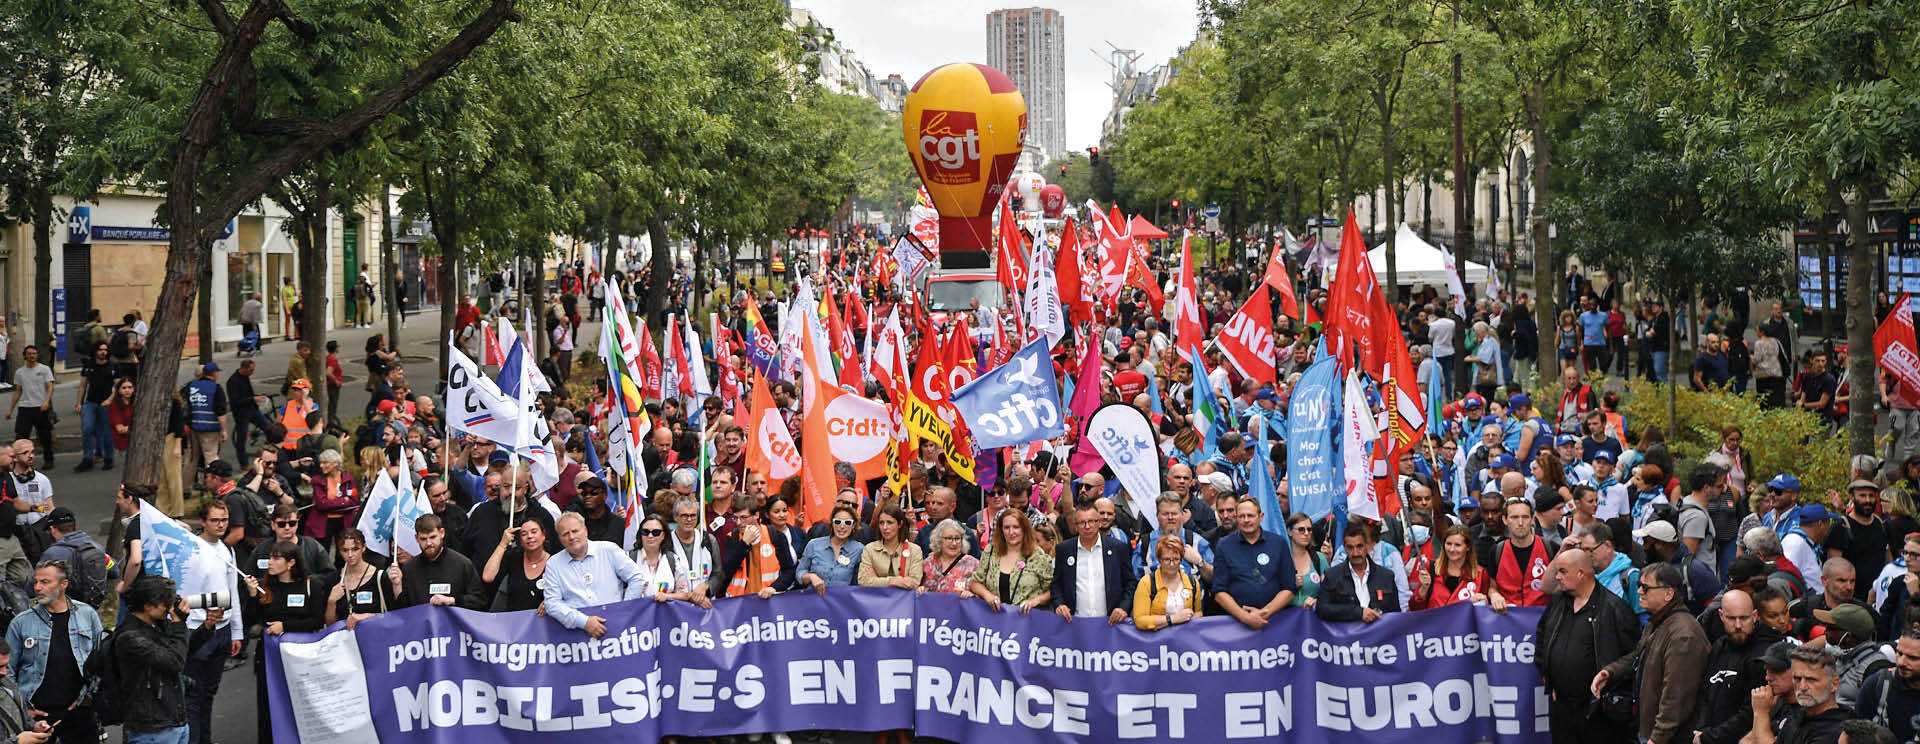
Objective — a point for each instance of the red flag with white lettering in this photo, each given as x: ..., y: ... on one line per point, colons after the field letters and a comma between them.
x: 1010, y: 252
x: 1350, y: 302
x: 1247, y: 340
x: 1894, y: 347
x: 1187, y: 332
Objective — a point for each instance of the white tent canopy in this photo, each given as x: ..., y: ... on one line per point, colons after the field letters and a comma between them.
x: 1419, y: 262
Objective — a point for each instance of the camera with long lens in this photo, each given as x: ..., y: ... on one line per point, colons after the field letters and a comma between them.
x: 209, y: 600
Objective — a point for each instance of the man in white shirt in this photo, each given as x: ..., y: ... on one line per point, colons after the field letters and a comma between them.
x: 33, y: 488
x: 1614, y: 500
x: 1440, y: 329
x: 1091, y: 574
x: 1801, y: 545
x: 212, y: 569
x: 587, y: 574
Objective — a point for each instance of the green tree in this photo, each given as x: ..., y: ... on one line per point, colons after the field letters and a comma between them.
x: 51, y: 64
x: 209, y: 110
x: 1822, y: 97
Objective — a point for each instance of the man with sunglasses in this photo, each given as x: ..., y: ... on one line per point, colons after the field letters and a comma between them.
x: 603, y: 525
x: 1673, y: 649
x: 286, y: 528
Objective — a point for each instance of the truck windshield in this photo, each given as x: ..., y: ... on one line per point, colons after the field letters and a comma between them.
x: 959, y: 295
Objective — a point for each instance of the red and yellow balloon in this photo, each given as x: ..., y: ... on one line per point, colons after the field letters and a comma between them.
x: 964, y: 126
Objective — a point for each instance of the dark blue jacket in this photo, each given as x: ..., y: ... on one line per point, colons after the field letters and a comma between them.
x: 1119, y: 573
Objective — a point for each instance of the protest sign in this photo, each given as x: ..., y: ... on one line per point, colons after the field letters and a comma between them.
x: 879, y: 659
x: 1313, y: 476
x: 1124, y: 438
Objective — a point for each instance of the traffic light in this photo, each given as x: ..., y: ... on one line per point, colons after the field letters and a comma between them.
x: 1176, y: 204
x: 1093, y: 155
x: 1063, y: 170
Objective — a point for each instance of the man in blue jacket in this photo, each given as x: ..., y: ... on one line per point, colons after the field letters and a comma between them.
x: 1092, y: 576
x: 50, y: 644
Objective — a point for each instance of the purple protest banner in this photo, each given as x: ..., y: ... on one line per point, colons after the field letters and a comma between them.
x: 881, y: 659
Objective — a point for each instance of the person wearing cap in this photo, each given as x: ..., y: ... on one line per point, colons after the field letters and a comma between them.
x: 1614, y: 499
x: 1662, y: 543
x: 1734, y: 663
x: 1668, y: 664
x: 293, y: 415
x: 1891, y: 696
x: 205, y: 410
x: 1778, y: 508
x: 1127, y: 381
x: 1801, y: 544
x: 603, y: 525
x: 1864, y: 541
x: 1497, y: 469
x: 1850, y: 628
x: 1235, y: 452
x: 1776, y: 669
x: 1532, y: 432
x: 74, y: 547
x: 1567, y: 448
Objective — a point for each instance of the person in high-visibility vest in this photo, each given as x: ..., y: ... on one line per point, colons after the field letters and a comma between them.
x: 293, y: 416
x: 755, y: 564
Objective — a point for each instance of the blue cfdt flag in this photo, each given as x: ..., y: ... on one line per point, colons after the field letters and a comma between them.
x: 1014, y: 403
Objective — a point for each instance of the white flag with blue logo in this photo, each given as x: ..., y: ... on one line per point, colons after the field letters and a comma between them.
x: 167, y: 546
x: 376, y: 517
x: 1014, y: 403
x: 409, y: 503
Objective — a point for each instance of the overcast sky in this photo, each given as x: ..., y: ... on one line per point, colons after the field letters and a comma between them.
x: 909, y: 37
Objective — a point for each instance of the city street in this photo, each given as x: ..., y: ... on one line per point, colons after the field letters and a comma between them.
x: 90, y: 494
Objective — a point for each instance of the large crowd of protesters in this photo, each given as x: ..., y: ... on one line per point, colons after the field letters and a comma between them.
x: 1703, y: 601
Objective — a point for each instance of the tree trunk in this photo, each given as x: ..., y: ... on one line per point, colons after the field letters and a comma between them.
x: 204, y: 323
x: 660, y: 274
x: 390, y: 264
x: 1544, y: 311
x: 194, y: 225
x: 1387, y: 159
x: 1861, y: 276
x: 449, y: 279
x: 315, y: 301
x: 536, y: 280
x: 43, y: 274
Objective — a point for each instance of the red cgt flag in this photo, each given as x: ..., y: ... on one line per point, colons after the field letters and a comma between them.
x: 1350, y: 317
x: 1897, y: 353
x: 1187, y: 331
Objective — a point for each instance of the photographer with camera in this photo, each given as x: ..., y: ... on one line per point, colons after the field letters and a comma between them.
x: 148, y: 657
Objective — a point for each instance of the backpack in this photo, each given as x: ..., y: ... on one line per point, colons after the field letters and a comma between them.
x: 93, y: 573
x: 108, y: 686
x: 120, y: 346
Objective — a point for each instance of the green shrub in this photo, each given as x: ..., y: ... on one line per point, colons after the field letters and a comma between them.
x: 1784, y: 440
